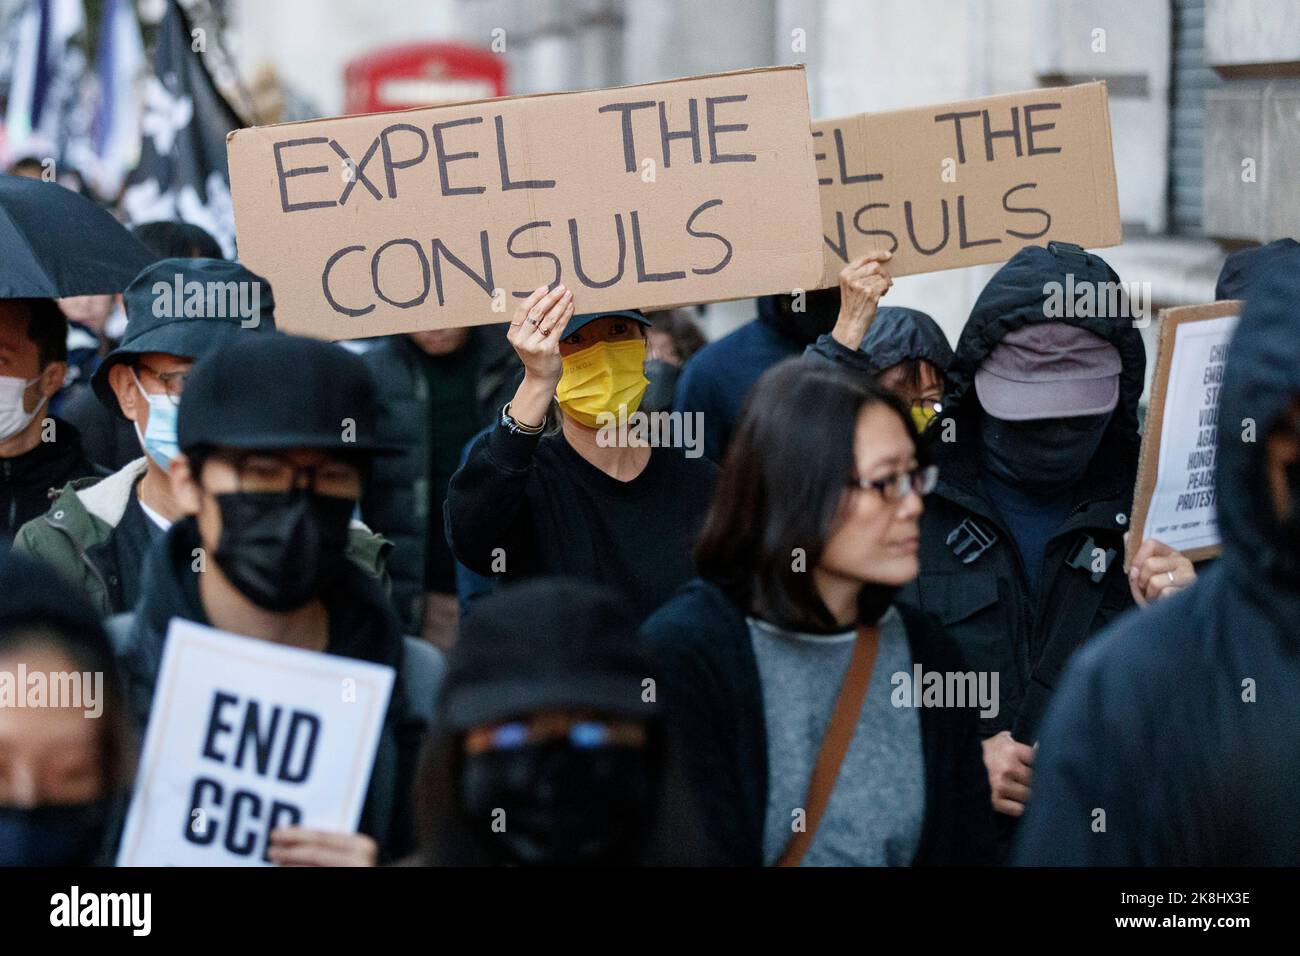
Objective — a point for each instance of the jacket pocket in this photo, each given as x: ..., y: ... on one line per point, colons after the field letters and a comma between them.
x: 952, y: 598
x: 969, y: 607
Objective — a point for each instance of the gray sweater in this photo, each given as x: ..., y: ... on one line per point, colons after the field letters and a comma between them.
x: 877, y: 806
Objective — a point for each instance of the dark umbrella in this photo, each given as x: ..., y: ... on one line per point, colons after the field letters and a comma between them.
x: 55, y: 243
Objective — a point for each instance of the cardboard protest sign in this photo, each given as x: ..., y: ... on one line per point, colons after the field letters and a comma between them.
x: 246, y: 736
x: 1174, y: 498
x: 970, y: 182
x: 683, y: 191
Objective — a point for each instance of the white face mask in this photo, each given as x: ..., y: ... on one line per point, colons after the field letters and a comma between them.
x: 12, y: 417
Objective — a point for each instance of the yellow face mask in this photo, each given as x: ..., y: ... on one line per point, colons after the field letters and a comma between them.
x: 604, y: 377
x: 923, y: 414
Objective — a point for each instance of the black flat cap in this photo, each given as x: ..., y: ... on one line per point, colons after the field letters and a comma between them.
x: 187, y: 308
x: 275, y: 391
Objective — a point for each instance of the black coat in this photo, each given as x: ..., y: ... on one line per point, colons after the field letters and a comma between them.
x: 362, y: 626
x: 1181, y: 722
x: 28, y: 481
x: 397, y: 501
x: 987, y: 604
x: 710, y: 688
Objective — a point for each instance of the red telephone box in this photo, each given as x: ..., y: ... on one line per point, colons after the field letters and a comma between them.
x: 421, y: 74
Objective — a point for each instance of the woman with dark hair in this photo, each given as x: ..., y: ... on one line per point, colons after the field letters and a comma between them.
x: 66, y: 759
x: 776, y: 665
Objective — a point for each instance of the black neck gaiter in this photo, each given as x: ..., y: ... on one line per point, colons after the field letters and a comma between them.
x: 1045, y: 457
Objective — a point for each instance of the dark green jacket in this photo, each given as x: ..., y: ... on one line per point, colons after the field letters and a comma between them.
x: 77, y: 537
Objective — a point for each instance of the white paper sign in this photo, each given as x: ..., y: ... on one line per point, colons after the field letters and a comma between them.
x: 245, y: 736
x: 1182, y: 511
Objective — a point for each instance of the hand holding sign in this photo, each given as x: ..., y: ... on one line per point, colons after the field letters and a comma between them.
x: 298, y: 846
x: 535, y: 334
x: 252, y: 752
x: 862, y: 282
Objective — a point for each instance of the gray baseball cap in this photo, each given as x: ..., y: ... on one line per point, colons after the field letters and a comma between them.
x: 1049, y: 370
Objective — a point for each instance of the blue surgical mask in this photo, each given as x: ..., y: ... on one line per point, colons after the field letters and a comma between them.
x: 159, y: 438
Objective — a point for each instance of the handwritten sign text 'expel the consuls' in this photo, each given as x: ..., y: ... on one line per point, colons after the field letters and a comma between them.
x: 690, y: 190
x: 964, y: 183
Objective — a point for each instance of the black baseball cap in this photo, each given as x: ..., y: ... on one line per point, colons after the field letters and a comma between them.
x: 277, y: 391
x: 156, y: 303
x: 545, y: 643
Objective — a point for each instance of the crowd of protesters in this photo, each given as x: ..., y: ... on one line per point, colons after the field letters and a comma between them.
x: 647, y: 655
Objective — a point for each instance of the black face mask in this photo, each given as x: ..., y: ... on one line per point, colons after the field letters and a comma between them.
x: 563, y: 806
x: 53, y: 834
x: 282, y: 549
x: 1045, y: 457
x: 658, y: 395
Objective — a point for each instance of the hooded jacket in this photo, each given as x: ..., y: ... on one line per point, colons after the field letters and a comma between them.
x: 717, y: 378
x: 362, y: 626
x: 897, y: 335
x: 1181, y: 721
x: 81, y: 535
x: 982, y: 596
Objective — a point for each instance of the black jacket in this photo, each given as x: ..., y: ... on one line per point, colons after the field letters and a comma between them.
x: 397, y: 502
x: 986, y: 603
x: 1181, y: 722
x: 709, y: 685
x: 28, y: 481
x: 362, y: 626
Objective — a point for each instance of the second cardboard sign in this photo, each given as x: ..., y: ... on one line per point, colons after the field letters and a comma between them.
x: 965, y: 183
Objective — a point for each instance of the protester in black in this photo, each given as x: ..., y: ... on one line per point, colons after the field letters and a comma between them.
x: 596, y: 501
x: 275, y: 434
x: 716, y: 380
x: 437, y: 389
x: 549, y: 748
x: 1022, y: 542
x: 66, y: 763
x: 1174, y: 738
x: 39, y: 453
x: 813, y: 530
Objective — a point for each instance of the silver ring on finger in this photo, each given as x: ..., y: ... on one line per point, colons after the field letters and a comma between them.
x: 1171, y: 576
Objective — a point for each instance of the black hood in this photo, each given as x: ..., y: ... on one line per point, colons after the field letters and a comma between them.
x: 899, y: 334
x: 1016, y: 297
x: 1244, y: 271
x: 821, y: 308
x: 1261, y: 379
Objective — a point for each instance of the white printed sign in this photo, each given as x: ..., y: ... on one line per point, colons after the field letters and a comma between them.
x: 1181, y: 511
x: 246, y: 736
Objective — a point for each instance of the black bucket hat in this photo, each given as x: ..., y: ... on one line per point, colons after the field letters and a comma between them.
x: 157, y: 302
x: 276, y: 391
x: 546, y: 643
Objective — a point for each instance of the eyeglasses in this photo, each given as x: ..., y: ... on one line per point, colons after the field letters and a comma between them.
x: 900, y: 484
x: 265, y: 472
x: 581, y: 733
x: 173, y: 382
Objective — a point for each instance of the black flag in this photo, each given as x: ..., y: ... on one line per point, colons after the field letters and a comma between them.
x: 182, y: 172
